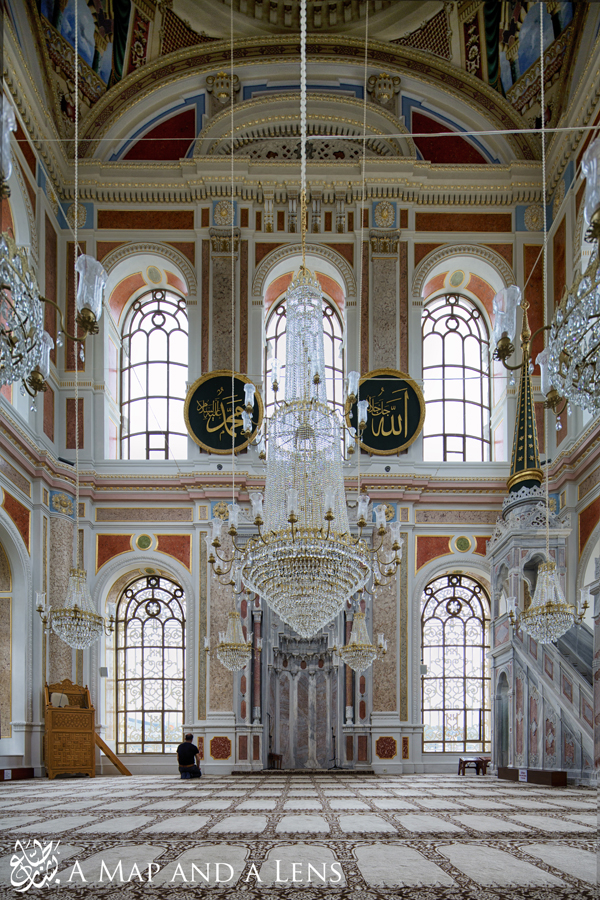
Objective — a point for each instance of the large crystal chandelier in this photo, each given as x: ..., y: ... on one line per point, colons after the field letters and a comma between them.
x: 549, y: 616
x: 304, y: 562
x: 574, y: 345
x: 76, y: 623
x: 21, y: 314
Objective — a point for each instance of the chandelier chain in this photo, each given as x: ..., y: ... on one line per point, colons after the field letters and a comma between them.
x: 362, y: 229
x: 75, y: 255
x: 231, y: 93
x: 544, y: 262
x: 303, y: 130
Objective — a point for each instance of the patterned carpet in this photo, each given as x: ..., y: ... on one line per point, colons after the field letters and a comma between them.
x: 364, y: 838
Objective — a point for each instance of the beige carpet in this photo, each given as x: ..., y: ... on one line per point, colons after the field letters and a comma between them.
x: 332, y: 836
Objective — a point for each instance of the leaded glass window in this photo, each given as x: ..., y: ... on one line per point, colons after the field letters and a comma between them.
x: 456, y: 688
x: 456, y: 381
x: 154, y: 371
x: 150, y: 657
x: 333, y: 344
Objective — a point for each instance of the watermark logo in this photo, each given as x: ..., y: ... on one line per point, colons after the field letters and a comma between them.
x: 33, y: 865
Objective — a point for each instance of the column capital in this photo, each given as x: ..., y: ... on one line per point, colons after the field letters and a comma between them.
x: 221, y: 243
x: 384, y: 242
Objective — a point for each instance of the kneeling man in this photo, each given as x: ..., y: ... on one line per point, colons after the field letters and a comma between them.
x: 188, y: 757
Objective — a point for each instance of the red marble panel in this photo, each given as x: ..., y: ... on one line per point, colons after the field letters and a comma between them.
x: 587, y: 712
x: 103, y: 248
x: 567, y: 688
x: 559, y: 259
x: 205, y: 302
x: 434, y: 284
x: 550, y: 737
x: 244, y: 608
x: 243, y: 684
x: 539, y: 424
x: 481, y: 544
x: 220, y: 747
x: 243, y: 306
x: 164, y: 219
x: 110, y: 545
x: 49, y: 412
x: 200, y: 745
x: 345, y: 249
x: 431, y: 546
x: 20, y: 515
x: 178, y: 546
x: 405, y: 748
x: 205, y: 217
x: 261, y: 249
x: 463, y: 221
x: 403, y: 297
x: 70, y: 437
x: 7, y: 223
x: 363, y: 748
x: 243, y: 708
x: 169, y: 140
x: 386, y: 747
x: 588, y: 519
x: 277, y: 287
x: 533, y: 647
x: 255, y: 746
x: 26, y: 148
x: 70, y: 304
x: 548, y: 667
x: 403, y: 213
x: 187, y: 248
x: 501, y: 634
x: 243, y: 746
x: 533, y: 721
x: 534, y: 294
x: 503, y: 250
x: 244, y: 213
x: 362, y: 684
x: 7, y: 392
x: 50, y: 266
x: 349, y: 747
x: 483, y: 291
x: 122, y: 292
x: 421, y: 251
x: 176, y: 282
x: 362, y: 709
x: 364, y: 310
x: 445, y: 150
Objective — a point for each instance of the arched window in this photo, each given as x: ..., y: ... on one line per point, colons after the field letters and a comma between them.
x: 456, y: 381
x: 456, y: 688
x: 154, y: 369
x: 150, y: 657
x: 333, y: 343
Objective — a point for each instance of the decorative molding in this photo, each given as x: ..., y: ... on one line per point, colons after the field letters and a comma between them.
x: 323, y: 251
x: 112, y: 259
x: 448, y: 251
x: 384, y: 243
x: 33, y: 236
x: 221, y: 241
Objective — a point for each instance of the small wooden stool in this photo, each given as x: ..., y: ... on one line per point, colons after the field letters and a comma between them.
x: 470, y: 762
x: 274, y: 760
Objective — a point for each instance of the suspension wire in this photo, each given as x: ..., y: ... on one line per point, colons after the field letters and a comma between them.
x: 76, y: 345
x: 303, y: 130
x: 362, y: 231
x: 544, y: 253
x: 231, y: 92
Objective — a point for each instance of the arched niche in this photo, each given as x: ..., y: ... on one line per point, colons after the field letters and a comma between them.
x: 137, y: 268
x: 319, y: 258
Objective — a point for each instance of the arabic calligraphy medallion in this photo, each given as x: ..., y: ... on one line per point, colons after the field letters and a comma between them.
x: 208, y: 412
x: 396, y: 411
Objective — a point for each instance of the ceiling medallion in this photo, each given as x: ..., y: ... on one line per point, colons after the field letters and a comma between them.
x: 384, y: 214
x: 223, y: 213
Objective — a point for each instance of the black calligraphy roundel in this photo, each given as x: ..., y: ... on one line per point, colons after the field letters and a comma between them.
x: 395, y: 413
x: 212, y: 418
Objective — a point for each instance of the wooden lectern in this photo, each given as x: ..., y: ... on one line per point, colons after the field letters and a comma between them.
x: 70, y: 736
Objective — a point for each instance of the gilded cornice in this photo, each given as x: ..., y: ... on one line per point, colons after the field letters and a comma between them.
x: 339, y: 49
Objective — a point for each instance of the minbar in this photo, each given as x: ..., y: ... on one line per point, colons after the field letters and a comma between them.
x: 551, y: 777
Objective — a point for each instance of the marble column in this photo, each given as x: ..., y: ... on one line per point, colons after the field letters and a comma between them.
x: 61, y: 561
x: 256, y: 702
x: 220, y: 691
x: 385, y: 621
x: 221, y: 319
x: 311, y: 762
x: 384, y: 298
x: 293, y: 716
x: 349, y: 691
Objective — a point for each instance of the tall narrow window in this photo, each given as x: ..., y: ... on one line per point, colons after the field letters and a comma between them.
x: 150, y: 651
x: 456, y: 381
x: 334, y: 362
x: 154, y: 369
x: 456, y: 688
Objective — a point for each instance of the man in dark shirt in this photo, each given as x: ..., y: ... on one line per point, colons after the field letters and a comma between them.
x: 188, y: 757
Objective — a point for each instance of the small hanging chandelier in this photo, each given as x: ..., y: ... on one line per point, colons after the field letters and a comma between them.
x: 359, y: 653
x: 233, y: 651
x: 76, y: 623
x: 549, y: 616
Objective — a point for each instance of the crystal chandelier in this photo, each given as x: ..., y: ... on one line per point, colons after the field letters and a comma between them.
x: 304, y: 562
x: 549, y: 616
x: 232, y: 650
x: 76, y: 622
x: 359, y: 653
x: 574, y: 345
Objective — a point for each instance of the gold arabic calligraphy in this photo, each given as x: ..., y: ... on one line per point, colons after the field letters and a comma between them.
x: 218, y: 416
x: 385, y: 420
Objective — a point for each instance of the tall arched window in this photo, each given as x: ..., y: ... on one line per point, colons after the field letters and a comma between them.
x: 456, y: 689
x: 456, y: 381
x: 154, y: 369
x: 333, y: 343
x: 150, y: 657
